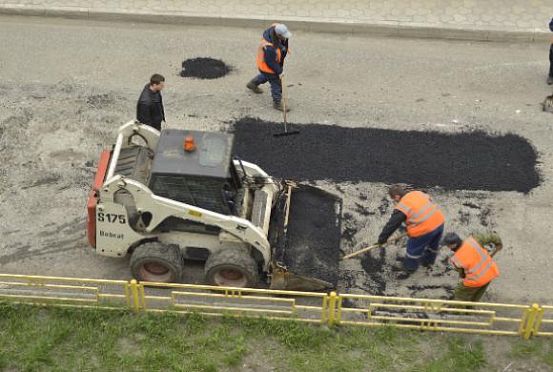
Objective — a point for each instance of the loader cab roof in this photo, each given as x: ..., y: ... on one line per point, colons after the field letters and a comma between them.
x: 211, y: 158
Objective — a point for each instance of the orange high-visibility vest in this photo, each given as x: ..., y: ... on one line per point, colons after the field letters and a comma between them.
x: 480, y: 268
x: 261, y: 64
x: 423, y: 216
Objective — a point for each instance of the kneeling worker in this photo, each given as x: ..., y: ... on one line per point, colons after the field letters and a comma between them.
x: 270, y: 61
x: 475, y: 265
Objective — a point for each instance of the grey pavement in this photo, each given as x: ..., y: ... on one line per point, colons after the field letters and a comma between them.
x: 524, y: 20
x: 61, y: 102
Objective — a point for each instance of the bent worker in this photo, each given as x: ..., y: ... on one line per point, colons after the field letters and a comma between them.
x: 425, y: 226
x: 475, y: 265
x: 550, y: 76
x: 149, y: 109
x: 270, y: 61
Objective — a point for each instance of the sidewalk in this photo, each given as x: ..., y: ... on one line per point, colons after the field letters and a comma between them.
x: 511, y: 20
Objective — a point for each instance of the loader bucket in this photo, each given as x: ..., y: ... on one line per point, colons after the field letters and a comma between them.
x: 305, y: 236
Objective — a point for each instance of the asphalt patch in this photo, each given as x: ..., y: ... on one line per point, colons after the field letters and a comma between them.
x: 204, y: 68
x: 457, y: 161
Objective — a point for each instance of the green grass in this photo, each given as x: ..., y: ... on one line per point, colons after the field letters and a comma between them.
x: 55, y: 339
x: 459, y: 356
x: 539, y: 350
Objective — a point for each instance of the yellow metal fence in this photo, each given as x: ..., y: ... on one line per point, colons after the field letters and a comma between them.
x: 324, y: 308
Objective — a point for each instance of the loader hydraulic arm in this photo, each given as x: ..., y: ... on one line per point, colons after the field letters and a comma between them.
x: 126, y: 132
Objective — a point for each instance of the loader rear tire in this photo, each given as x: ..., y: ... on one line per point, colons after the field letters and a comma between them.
x: 231, y: 268
x: 157, y: 262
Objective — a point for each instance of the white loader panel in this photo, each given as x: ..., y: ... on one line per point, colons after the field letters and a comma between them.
x: 114, y: 236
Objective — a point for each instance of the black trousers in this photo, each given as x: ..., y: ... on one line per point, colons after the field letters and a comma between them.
x: 551, y: 60
x: 155, y: 125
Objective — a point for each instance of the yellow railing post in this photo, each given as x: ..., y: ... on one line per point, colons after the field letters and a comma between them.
x: 531, y: 321
x: 334, y: 308
x: 135, y: 298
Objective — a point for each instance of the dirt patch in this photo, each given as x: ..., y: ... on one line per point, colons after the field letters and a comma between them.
x: 380, y: 271
x: 457, y: 161
x: 99, y: 100
x: 350, y: 229
x: 48, y: 180
x: 376, y: 268
x: 20, y: 120
x: 204, y: 68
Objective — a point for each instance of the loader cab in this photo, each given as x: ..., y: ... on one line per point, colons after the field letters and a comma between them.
x: 196, y: 168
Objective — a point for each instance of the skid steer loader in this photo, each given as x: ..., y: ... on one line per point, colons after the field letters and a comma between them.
x: 176, y: 195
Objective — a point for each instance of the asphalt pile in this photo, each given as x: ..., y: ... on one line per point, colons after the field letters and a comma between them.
x: 313, y: 235
x: 456, y: 161
x: 204, y: 68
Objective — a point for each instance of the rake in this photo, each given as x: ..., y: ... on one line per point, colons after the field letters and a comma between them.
x: 284, y: 101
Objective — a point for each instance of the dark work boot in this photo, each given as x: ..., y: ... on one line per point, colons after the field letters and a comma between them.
x: 405, y: 274
x: 279, y: 106
x: 550, y: 80
x: 253, y: 87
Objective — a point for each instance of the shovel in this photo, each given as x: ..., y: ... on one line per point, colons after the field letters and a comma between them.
x: 363, y: 250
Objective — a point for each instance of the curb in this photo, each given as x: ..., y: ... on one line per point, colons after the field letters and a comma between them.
x: 383, y: 28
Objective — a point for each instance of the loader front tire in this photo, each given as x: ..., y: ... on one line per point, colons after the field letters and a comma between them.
x: 157, y: 262
x: 231, y: 268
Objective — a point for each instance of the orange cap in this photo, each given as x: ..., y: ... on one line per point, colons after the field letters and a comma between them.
x: 189, y: 144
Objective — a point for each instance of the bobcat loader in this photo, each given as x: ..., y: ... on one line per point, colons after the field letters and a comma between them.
x: 167, y: 197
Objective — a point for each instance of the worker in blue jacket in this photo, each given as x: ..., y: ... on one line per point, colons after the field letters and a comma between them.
x: 550, y: 77
x: 271, y: 53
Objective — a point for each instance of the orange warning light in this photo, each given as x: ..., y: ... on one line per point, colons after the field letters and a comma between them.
x: 189, y: 144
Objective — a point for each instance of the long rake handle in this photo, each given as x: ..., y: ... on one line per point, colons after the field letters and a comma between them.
x: 284, y: 103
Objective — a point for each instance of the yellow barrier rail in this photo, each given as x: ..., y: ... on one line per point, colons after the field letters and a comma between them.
x: 332, y: 308
x: 544, y: 322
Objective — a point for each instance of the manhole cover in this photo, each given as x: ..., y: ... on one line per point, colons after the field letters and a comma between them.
x: 204, y: 68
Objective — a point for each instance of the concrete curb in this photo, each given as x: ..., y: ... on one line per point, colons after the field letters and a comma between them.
x: 384, y: 28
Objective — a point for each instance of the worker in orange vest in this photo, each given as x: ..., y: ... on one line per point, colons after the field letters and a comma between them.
x: 424, y: 222
x: 270, y: 62
x: 475, y: 265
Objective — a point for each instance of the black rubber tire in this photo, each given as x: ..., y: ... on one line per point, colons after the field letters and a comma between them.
x: 231, y: 268
x: 157, y: 262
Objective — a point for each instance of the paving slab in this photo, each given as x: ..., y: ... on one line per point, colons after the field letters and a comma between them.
x: 497, y: 20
